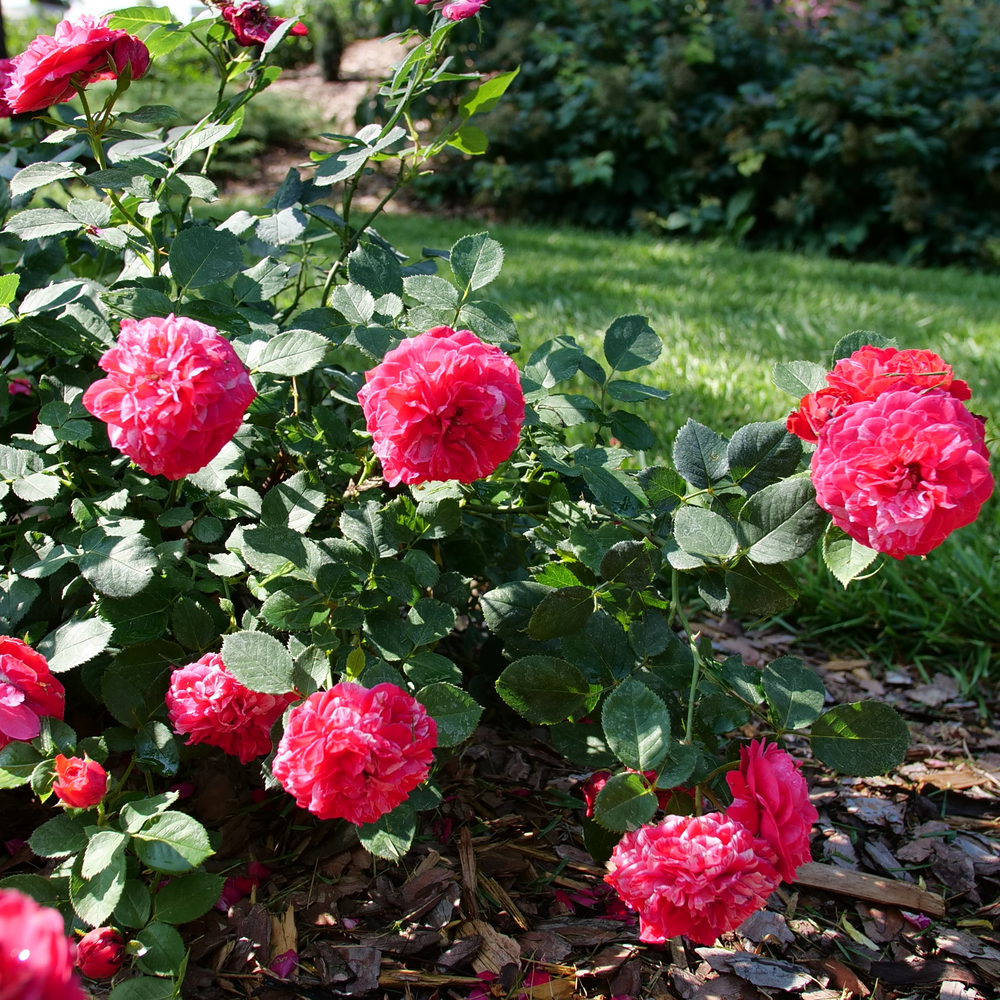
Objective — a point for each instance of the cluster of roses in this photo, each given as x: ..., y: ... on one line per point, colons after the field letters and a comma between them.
x: 54, y: 67
x: 900, y: 462
x: 703, y: 875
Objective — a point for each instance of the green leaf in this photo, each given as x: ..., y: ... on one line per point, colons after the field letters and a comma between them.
x: 117, y: 565
x: 543, y: 689
x: 202, y: 256
x: 145, y: 987
x: 616, y: 490
x: 636, y: 725
x: 700, y: 455
x: 8, y: 288
x: 374, y: 268
x: 94, y: 899
x: 192, y: 625
x: 487, y: 95
x: 628, y: 563
x: 455, y: 712
x: 582, y: 743
x: 631, y: 431
x: 470, y: 139
x: 476, y: 260
x: 846, y: 346
x: 561, y: 612
x: 390, y: 835
x: 157, y: 750
x: 664, y: 488
x: 509, y: 607
x: 164, y: 950
x: 846, y: 558
x: 782, y: 521
x: 794, y: 693
x: 367, y: 527
x: 131, y: 19
x: 259, y: 661
x: 74, y: 643
x: 134, y: 906
x: 37, y: 223
x: 625, y: 803
x: 704, y: 533
x: 41, y: 890
x: 37, y: 175
x: 137, y: 619
x: 634, y: 392
x: 743, y: 680
x: 17, y: 762
x: 150, y: 114
x: 761, y: 590
x: 599, y: 842
x: 490, y: 322
x: 630, y: 342
x: 292, y: 353
x: 173, y: 842
x: 600, y: 650
x: 135, y: 815
x: 201, y: 137
x: 677, y: 766
x: 58, y: 836
x: 102, y: 849
x: 799, y: 378
x: 762, y: 453
x: 863, y: 739
x: 282, y: 227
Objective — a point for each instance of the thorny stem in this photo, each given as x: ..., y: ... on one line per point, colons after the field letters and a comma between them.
x: 677, y: 608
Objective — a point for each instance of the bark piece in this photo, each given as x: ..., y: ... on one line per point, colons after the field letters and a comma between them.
x: 813, y: 875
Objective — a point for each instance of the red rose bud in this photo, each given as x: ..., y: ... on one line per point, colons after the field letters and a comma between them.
x: 80, y: 782
x: 100, y: 953
x: 253, y: 24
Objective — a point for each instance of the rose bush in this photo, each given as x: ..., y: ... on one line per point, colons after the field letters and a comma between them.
x: 230, y: 539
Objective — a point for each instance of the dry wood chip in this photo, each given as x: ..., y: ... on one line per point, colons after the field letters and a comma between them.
x: 839, y: 849
x: 588, y: 932
x: 870, y: 887
x: 554, y: 989
x: 768, y: 973
x: 284, y: 936
x: 943, y: 687
x: 544, y: 946
x: 253, y: 938
x: 764, y: 924
x: 685, y: 983
x: 460, y: 953
x: 495, y: 951
x: 875, y: 811
x: 727, y: 987
x: 364, y: 964
x: 841, y: 977
x: 920, y: 972
x: 956, y: 991
x: 883, y: 858
x: 627, y: 980
x: 606, y: 960
x: 881, y: 924
x: 410, y: 942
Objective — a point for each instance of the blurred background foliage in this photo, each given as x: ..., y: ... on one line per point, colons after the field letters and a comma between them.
x: 860, y: 128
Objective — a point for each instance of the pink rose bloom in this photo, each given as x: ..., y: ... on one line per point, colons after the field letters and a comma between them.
x: 175, y: 394
x: 6, y: 72
x: 443, y: 405
x: 462, y: 9
x: 100, y: 953
x: 815, y: 411
x: 354, y: 753
x: 81, y: 51
x: 870, y: 371
x: 206, y: 703
x: 17, y: 386
x: 692, y: 875
x: 80, y: 782
x: 771, y: 799
x: 28, y: 691
x: 900, y: 473
x: 866, y: 374
x: 36, y: 958
x: 252, y: 24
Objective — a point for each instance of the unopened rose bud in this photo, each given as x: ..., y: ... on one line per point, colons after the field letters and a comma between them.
x: 100, y: 953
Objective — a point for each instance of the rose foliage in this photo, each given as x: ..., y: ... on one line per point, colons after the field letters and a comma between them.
x: 273, y: 489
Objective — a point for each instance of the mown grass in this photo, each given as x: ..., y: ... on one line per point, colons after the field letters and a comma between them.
x: 726, y: 316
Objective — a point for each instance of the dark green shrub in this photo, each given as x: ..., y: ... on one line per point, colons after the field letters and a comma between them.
x: 873, y: 132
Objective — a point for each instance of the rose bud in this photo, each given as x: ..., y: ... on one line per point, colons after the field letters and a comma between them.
x: 80, y: 782
x: 100, y: 953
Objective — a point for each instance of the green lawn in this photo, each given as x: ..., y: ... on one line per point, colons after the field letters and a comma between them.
x: 726, y: 316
